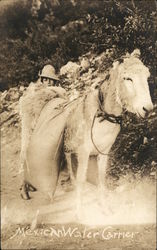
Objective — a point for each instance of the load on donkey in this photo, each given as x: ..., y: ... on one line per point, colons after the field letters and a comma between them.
x: 87, y: 126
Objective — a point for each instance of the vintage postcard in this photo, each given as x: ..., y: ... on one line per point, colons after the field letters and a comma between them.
x: 78, y: 124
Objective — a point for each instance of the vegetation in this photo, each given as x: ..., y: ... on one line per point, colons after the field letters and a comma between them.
x: 56, y: 31
x: 34, y: 33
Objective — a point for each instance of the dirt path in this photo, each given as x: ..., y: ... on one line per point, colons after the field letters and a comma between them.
x: 130, y: 225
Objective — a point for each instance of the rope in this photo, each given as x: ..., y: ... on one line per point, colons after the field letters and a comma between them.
x: 63, y: 106
x: 105, y: 116
x: 92, y: 136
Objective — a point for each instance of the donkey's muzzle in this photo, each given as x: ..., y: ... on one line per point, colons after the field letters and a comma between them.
x: 148, y: 109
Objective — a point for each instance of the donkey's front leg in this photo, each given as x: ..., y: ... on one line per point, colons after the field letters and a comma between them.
x: 83, y: 156
x: 102, y: 161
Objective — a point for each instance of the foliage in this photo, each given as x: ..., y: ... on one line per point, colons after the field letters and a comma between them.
x: 136, y: 146
x: 36, y: 32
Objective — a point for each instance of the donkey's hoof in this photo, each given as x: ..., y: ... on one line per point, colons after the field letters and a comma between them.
x: 107, y: 211
x: 78, y: 217
x: 105, y: 208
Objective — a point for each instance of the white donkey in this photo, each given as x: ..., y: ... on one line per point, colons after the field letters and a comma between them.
x: 126, y: 89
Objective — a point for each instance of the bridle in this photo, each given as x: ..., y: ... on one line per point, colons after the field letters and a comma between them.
x: 103, y: 115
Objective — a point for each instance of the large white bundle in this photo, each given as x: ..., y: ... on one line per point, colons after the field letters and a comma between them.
x: 31, y: 104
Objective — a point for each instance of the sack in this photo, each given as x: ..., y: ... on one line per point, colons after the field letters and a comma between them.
x: 45, y: 147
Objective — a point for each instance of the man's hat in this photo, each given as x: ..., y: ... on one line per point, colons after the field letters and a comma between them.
x: 48, y: 71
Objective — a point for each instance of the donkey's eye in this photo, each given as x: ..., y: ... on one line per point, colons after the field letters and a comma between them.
x: 128, y: 79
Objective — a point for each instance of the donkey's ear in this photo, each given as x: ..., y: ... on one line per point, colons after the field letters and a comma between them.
x: 136, y: 53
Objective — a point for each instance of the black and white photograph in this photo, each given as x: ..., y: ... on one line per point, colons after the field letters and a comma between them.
x: 78, y: 91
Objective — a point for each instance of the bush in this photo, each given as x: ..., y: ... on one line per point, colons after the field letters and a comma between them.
x: 59, y: 31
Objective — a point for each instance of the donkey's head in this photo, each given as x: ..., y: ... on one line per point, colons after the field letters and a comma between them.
x: 131, y: 79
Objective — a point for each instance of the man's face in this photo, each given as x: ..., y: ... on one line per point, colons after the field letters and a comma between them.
x: 48, y: 81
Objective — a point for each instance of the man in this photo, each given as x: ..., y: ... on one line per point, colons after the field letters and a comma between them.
x: 31, y: 104
x: 48, y: 75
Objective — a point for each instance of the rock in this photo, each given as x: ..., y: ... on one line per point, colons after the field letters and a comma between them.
x: 85, y: 64
x: 145, y: 140
x: 71, y: 70
x: 153, y: 163
x: 22, y: 88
